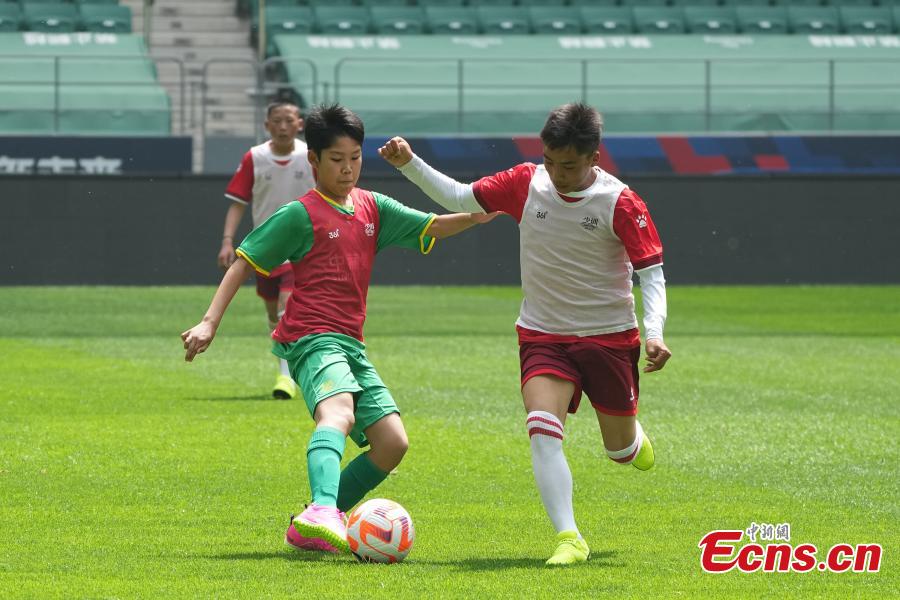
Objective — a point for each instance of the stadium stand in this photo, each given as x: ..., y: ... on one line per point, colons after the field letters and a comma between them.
x: 80, y: 83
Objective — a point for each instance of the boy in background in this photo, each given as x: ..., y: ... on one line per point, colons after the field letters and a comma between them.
x: 270, y: 175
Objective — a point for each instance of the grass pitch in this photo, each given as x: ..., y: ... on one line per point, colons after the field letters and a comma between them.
x: 125, y: 472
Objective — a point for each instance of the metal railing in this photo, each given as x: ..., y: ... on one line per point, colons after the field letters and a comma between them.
x: 269, y: 82
x: 708, y: 85
x: 57, y: 83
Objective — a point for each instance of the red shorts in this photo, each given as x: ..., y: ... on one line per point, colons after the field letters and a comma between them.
x: 280, y: 279
x: 609, y: 376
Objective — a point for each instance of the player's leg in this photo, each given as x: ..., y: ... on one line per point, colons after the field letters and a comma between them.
x: 378, y: 423
x: 549, y: 387
x: 611, y: 382
x: 329, y: 389
x: 365, y: 472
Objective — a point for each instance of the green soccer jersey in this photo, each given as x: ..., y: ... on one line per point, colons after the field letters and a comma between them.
x: 332, y: 250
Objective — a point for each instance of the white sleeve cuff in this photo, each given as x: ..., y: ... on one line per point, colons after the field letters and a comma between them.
x: 446, y: 191
x: 653, y: 292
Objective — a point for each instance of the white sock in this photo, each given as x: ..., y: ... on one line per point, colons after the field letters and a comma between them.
x: 626, y: 455
x: 283, y: 367
x: 551, y: 471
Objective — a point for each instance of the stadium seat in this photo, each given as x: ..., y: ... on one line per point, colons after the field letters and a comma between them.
x: 686, y: 3
x: 335, y: 3
x: 376, y: 3
x: 288, y: 20
x: 454, y: 20
x: 502, y: 19
x: 866, y: 19
x: 348, y: 20
x: 814, y: 19
x: 710, y: 19
x: 652, y: 19
x: 612, y: 20
x: 10, y: 17
x: 539, y: 3
x: 789, y: 3
x: 409, y: 20
x: 635, y: 3
x: 594, y: 3
x: 112, y: 18
x: 554, y: 19
x: 477, y: 3
x: 854, y: 2
x: 91, y: 2
x: 747, y: 3
x: 762, y: 19
x: 49, y: 17
x: 440, y: 3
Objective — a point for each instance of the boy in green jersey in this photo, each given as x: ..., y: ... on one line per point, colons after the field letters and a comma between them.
x: 331, y: 236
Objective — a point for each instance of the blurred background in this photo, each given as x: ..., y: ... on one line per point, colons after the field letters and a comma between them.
x: 762, y: 134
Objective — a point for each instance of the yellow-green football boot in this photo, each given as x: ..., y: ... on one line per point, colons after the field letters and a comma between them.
x: 645, y: 457
x: 570, y: 550
x: 285, y: 388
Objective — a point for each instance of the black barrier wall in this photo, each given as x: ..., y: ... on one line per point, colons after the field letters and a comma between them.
x: 753, y: 230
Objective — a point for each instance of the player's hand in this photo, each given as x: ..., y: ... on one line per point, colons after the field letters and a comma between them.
x: 396, y: 151
x: 481, y: 218
x: 226, y: 255
x: 197, y: 339
x: 656, y: 355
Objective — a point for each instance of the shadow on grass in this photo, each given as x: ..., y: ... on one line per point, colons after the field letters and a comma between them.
x: 603, y: 559
x: 257, y: 397
x: 285, y: 554
x: 598, y: 560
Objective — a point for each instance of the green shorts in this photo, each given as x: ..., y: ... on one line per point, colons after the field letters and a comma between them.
x: 326, y: 364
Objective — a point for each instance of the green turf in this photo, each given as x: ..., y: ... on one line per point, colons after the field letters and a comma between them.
x: 125, y: 472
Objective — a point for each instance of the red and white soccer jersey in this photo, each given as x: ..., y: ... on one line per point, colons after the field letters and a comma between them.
x: 267, y: 181
x: 577, y: 252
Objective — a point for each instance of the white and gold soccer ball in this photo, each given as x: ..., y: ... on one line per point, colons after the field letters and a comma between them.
x: 380, y: 531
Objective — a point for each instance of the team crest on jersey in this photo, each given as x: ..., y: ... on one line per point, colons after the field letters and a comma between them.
x: 641, y: 221
x: 370, y: 229
x: 590, y: 223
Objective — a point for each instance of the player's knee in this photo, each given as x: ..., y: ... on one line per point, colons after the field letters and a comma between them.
x: 398, y: 445
x: 623, y: 448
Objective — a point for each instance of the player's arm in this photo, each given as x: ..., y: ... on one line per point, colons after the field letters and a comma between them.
x: 451, y: 194
x: 653, y: 295
x: 232, y: 220
x: 198, y: 338
x: 444, y: 226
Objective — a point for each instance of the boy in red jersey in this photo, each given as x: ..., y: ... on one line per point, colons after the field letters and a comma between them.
x: 331, y: 236
x: 582, y: 235
x: 270, y: 175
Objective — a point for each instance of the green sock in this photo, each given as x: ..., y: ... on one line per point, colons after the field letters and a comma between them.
x: 323, y: 463
x: 357, y: 479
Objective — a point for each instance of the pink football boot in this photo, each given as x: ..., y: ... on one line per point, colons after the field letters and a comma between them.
x: 319, y: 528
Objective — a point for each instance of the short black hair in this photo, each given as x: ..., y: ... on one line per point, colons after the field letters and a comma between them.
x: 272, y: 106
x: 575, y: 124
x: 324, y: 124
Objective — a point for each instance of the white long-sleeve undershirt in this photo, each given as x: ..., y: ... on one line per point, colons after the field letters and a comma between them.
x: 653, y: 293
x: 459, y: 197
x: 446, y: 191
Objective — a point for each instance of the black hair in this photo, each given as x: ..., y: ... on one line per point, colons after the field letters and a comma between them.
x: 324, y: 124
x: 272, y: 106
x: 575, y: 124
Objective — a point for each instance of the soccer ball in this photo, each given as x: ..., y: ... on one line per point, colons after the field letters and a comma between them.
x: 380, y: 531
